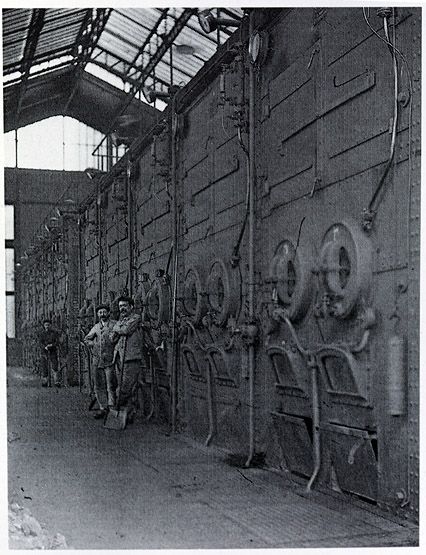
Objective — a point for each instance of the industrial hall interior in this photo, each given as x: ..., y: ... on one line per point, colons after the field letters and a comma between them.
x: 212, y: 264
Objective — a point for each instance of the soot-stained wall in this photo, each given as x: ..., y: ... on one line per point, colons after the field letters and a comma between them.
x: 300, y: 152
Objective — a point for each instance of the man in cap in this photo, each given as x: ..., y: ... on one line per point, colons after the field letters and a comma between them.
x: 132, y: 343
x: 99, y: 338
x: 49, y: 341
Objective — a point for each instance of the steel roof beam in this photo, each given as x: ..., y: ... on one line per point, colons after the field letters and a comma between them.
x: 230, y: 14
x: 116, y: 56
x: 168, y: 40
x: 195, y: 30
x: 155, y: 59
x: 47, y: 70
x: 35, y: 74
x: 124, y: 76
x: 152, y: 32
x: 36, y: 25
x: 88, y: 39
x: 118, y: 73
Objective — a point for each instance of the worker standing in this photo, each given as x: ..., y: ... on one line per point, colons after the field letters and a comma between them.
x: 49, y: 341
x: 132, y: 343
x: 99, y: 339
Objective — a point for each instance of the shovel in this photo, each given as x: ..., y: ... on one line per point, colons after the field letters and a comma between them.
x: 116, y: 419
x: 93, y: 401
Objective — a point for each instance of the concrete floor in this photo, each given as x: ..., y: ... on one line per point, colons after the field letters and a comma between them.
x: 144, y: 488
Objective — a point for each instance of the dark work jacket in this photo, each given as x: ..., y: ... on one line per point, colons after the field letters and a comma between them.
x: 50, y: 337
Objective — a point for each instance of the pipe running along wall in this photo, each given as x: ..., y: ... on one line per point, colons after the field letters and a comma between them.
x: 174, y: 368
x: 252, y: 178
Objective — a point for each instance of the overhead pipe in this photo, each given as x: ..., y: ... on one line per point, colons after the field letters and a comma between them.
x: 251, y: 177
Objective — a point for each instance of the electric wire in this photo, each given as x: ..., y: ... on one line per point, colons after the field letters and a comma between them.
x: 372, y: 205
x: 410, y: 82
x: 387, y: 41
x: 409, y: 76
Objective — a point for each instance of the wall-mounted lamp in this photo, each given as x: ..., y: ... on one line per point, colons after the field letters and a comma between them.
x: 209, y: 23
x: 152, y: 95
x: 258, y: 47
x: 185, y: 49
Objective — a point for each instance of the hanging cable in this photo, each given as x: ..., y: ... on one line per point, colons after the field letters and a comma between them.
x: 409, y: 77
x: 370, y: 213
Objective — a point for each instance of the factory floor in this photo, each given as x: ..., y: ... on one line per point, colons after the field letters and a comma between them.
x: 145, y: 488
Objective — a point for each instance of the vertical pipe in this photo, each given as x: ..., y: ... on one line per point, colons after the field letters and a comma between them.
x: 16, y: 148
x: 251, y: 353
x: 315, y: 422
x: 63, y: 143
x: 99, y: 210
x: 173, y: 383
x: 17, y: 237
x: 108, y: 153
x: 79, y: 297
x: 52, y: 265
x: 210, y: 403
x: 129, y: 227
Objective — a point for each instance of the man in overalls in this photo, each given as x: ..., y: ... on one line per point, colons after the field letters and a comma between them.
x: 99, y: 339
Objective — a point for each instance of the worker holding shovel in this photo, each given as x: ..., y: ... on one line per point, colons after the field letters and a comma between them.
x: 128, y: 336
x: 104, y: 380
